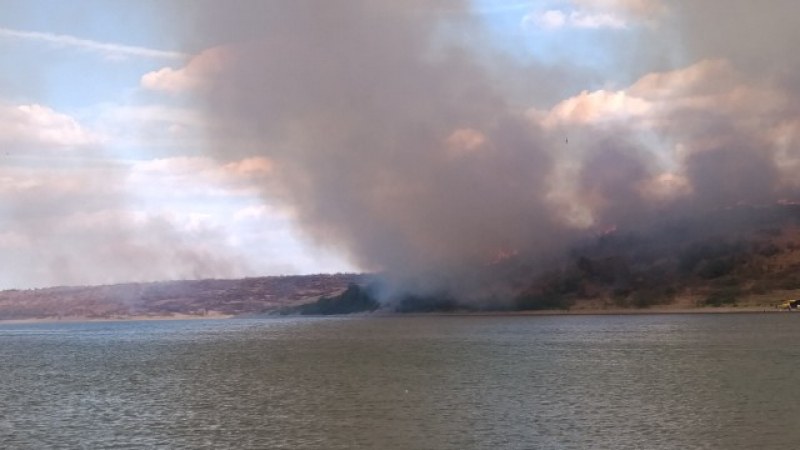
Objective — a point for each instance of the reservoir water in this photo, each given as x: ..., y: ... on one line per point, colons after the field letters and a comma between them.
x: 384, y: 383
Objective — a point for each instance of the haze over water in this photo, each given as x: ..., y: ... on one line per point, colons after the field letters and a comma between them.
x: 671, y: 381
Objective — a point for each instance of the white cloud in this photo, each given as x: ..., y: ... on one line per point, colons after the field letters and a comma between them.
x: 556, y: 19
x: 198, y: 178
x: 107, y: 49
x: 464, y: 141
x: 188, y: 78
x: 168, y: 79
x: 705, y: 77
x: 596, y: 14
x: 253, y: 166
x: 596, y: 108
x: 670, y: 118
x: 638, y: 9
x: 663, y: 99
x: 36, y: 126
x: 551, y: 19
x: 584, y: 19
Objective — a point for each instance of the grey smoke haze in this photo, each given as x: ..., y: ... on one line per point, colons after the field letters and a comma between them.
x: 395, y: 150
x: 398, y: 138
x: 98, y: 244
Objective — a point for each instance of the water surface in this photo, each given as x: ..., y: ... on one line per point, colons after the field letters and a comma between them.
x: 565, y: 382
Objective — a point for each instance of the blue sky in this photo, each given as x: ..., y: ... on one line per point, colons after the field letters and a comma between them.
x: 68, y: 76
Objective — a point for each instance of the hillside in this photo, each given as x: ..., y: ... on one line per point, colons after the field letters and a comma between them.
x: 748, y: 256
x: 742, y: 256
x: 171, y: 298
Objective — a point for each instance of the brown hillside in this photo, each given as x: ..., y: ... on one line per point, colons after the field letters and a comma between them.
x: 171, y: 298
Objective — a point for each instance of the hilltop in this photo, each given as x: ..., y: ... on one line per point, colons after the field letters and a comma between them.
x: 200, y: 298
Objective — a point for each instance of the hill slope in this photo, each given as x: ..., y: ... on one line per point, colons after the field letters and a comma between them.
x: 745, y: 255
x: 171, y: 298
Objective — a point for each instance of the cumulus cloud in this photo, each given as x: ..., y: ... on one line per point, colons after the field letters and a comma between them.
x: 596, y: 15
x: 32, y: 127
x: 639, y: 9
x: 188, y: 78
x: 696, y: 137
x: 595, y: 108
x: 169, y: 80
x: 555, y: 19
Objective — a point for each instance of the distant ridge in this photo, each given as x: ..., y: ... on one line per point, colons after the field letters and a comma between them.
x: 172, y: 298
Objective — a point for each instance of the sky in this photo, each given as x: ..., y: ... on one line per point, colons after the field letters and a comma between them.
x: 175, y: 139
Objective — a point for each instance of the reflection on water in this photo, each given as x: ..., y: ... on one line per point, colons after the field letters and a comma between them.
x: 691, y: 381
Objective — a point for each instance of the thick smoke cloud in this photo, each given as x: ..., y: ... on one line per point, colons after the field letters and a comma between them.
x: 399, y: 151
x: 394, y: 142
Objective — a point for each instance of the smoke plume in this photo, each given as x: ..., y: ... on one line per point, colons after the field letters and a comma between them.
x: 401, y: 135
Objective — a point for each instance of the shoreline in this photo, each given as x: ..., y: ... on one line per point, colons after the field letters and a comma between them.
x: 79, y: 319
x: 611, y: 312
x: 378, y: 314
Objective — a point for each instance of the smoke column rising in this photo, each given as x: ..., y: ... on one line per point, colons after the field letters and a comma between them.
x: 397, y: 137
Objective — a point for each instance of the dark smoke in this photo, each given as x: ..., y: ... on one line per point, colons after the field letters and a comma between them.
x: 395, y: 142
